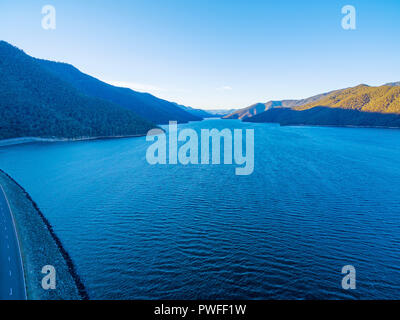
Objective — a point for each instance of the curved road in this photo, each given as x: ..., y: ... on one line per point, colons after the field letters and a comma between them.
x: 12, y: 282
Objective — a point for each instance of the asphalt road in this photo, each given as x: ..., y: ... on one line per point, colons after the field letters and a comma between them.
x: 12, y: 283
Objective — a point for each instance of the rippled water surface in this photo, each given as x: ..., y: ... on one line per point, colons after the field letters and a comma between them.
x: 319, y: 199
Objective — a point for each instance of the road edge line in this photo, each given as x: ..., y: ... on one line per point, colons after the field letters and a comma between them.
x: 18, y: 241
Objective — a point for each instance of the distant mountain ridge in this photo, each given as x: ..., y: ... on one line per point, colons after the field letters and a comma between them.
x: 393, y: 84
x: 221, y: 112
x: 198, y: 112
x: 258, y: 108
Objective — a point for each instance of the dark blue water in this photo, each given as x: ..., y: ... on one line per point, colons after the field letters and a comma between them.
x: 319, y: 199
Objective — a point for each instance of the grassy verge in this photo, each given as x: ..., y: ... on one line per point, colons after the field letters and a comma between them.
x: 39, y: 247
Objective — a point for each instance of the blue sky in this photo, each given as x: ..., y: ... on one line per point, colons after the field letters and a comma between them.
x: 215, y: 54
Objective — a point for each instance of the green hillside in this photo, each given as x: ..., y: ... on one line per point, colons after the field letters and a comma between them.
x: 358, y: 106
x: 383, y: 99
x: 36, y: 103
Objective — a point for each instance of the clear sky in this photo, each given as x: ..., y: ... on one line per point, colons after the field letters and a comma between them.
x: 215, y: 54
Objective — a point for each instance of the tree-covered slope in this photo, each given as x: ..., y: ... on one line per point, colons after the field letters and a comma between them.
x: 357, y: 106
x: 383, y: 99
x: 34, y: 102
x: 143, y: 104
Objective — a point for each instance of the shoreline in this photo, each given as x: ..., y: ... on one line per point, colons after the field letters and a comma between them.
x: 72, y: 287
x: 27, y: 140
x: 322, y: 125
x: 24, y: 140
x: 334, y: 126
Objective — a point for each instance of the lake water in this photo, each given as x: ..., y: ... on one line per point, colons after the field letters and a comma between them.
x: 319, y: 199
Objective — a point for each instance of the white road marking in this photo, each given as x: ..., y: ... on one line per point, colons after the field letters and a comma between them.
x: 18, y: 245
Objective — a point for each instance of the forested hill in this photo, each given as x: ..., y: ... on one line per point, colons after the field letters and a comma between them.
x: 144, y: 104
x: 383, y: 99
x: 357, y: 106
x: 36, y: 103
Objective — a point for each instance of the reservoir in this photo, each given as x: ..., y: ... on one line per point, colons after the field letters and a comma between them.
x: 319, y: 198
